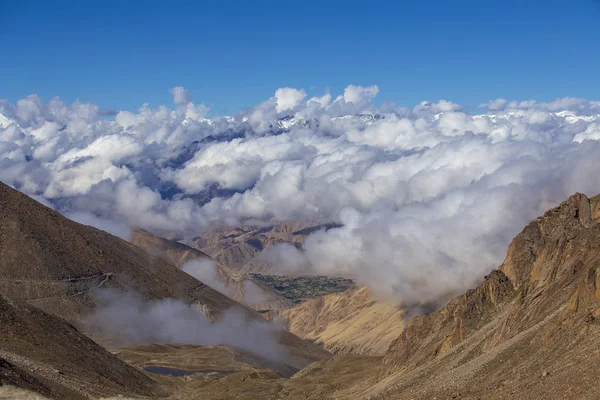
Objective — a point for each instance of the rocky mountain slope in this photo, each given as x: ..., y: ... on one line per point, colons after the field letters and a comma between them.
x: 45, y: 354
x: 239, y: 286
x: 56, y: 264
x: 530, y: 330
x: 351, y: 322
x: 238, y: 247
x: 169, y: 250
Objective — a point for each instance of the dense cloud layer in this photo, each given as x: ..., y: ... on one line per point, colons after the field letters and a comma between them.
x: 429, y: 197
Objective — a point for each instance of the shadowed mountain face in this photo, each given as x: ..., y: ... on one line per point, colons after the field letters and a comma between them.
x: 56, y: 264
x: 47, y: 355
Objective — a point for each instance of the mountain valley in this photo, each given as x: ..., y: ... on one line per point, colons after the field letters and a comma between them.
x: 530, y: 330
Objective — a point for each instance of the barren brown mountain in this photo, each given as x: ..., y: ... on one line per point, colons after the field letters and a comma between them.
x: 531, y: 330
x: 238, y: 247
x: 351, y: 322
x: 45, y: 354
x: 55, y: 264
x: 237, y: 285
x: 169, y: 250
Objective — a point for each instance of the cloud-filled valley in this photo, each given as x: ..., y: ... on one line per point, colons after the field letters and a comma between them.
x: 428, y: 197
x: 129, y: 319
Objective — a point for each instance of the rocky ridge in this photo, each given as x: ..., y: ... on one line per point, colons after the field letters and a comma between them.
x: 233, y: 283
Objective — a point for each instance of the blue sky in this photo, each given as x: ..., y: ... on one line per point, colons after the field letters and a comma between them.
x: 232, y: 54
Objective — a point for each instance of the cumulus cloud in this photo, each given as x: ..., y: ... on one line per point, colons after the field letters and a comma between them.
x: 322, y: 101
x: 288, y: 98
x: 359, y: 94
x: 287, y: 258
x: 253, y: 294
x: 495, y: 105
x: 181, y: 96
x: 428, y: 197
x: 208, y: 272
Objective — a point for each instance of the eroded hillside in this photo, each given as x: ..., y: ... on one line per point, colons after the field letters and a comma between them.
x: 351, y: 322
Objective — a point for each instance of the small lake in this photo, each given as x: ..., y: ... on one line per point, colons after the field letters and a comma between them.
x: 168, y: 371
x: 182, y: 372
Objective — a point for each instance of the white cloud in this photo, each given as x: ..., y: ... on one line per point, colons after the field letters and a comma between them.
x: 181, y: 96
x: 288, y: 98
x: 322, y: 101
x: 128, y: 318
x: 592, y: 132
x: 206, y: 271
x: 495, y: 105
x: 359, y: 94
x: 426, y: 195
x: 115, y: 228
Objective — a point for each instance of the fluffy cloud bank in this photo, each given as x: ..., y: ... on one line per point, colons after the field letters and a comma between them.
x: 428, y: 197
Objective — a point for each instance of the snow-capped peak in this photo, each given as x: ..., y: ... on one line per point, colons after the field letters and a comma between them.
x: 4, y: 121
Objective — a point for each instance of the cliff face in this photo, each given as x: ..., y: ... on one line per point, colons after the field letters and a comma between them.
x: 544, y: 300
x: 427, y: 337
